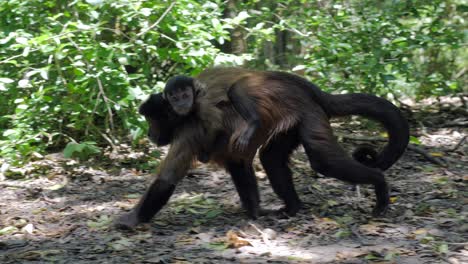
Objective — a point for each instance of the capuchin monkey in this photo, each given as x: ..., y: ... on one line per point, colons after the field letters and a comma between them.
x: 225, y: 115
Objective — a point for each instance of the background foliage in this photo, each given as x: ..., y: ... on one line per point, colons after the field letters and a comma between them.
x: 76, y: 71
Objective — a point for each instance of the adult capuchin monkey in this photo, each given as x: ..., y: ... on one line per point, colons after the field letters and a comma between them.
x: 226, y: 114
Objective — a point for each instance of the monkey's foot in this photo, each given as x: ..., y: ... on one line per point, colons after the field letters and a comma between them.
x: 254, y: 213
x: 267, y: 212
x: 380, y: 211
x: 383, y: 200
x: 127, y: 221
x: 284, y: 212
x: 291, y: 210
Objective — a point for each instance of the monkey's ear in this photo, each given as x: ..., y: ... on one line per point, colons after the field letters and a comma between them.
x: 199, y: 87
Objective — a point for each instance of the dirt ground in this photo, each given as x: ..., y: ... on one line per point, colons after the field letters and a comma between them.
x: 61, y: 211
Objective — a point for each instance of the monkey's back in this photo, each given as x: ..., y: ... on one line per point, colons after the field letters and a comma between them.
x: 281, y: 100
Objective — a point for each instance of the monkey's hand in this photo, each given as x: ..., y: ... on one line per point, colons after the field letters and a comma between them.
x: 127, y: 221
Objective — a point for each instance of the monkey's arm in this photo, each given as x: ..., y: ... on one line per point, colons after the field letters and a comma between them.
x: 172, y: 170
x: 245, y: 106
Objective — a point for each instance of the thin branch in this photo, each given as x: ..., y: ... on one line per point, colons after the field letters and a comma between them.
x: 15, y: 56
x: 359, y: 138
x: 58, y: 68
x: 425, y: 154
x: 460, y: 73
x: 92, y: 114
x: 108, y: 139
x: 291, y: 28
x: 265, y: 238
x: 106, y: 100
x: 459, y: 144
x: 158, y: 21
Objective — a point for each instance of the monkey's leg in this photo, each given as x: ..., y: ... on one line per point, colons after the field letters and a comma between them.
x: 243, y: 176
x: 275, y: 159
x: 328, y: 158
x: 246, y: 107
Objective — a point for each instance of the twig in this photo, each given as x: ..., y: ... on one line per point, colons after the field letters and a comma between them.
x: 263, y: 234
x: 427, y: 155
x: 108, y: 139
x: 355, y: 231
x: 424, y: 218
x: 460, y: 73
x: 459, y: 143
x: 106, y: 101
x: 358, y: 138
x: 158, y: 21
x: 457, y: 244
x: 8, y: 185
x: 92, y: 114
x: 456, y: 123
x: 15, y: 56
x: 294, y: 30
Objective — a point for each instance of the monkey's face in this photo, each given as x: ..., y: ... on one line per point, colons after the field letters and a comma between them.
x: 181, y: 100
x: 161, y: 120
x: 179, y: 92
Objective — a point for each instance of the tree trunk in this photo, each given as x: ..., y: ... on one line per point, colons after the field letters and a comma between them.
x: 237, y: 45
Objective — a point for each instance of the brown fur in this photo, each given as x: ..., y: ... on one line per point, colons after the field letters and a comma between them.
x: 276, y: 106
x: 292, y: 111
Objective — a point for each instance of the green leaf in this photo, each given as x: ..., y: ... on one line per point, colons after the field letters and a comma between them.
x: 216, y: 246
x: 70, y: 148
x: 44, y: 73
x: 415, y: 140
x: 8, y: 230
x: 213, y: 213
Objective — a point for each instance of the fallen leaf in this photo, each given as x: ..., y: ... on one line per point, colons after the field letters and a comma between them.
x: 420, y: 231
x: 121, y: 244
x: 326, y: 223
x: 370, y: 229
x: 132, y: 196
x: 204, y: 237
x: 185, y: 240
x: 38, y: 254
x: 103, y: 222
x: 29, y: 228
x: 56, y: 187
x: 234, y: 241
x: 8, y: 230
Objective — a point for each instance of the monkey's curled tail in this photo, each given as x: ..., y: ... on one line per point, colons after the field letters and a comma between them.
x: 380, y: 110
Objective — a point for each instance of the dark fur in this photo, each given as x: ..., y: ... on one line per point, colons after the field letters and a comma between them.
x: 288, y: 111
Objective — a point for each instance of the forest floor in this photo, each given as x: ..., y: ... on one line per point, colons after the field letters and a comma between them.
x: 61, y: 211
